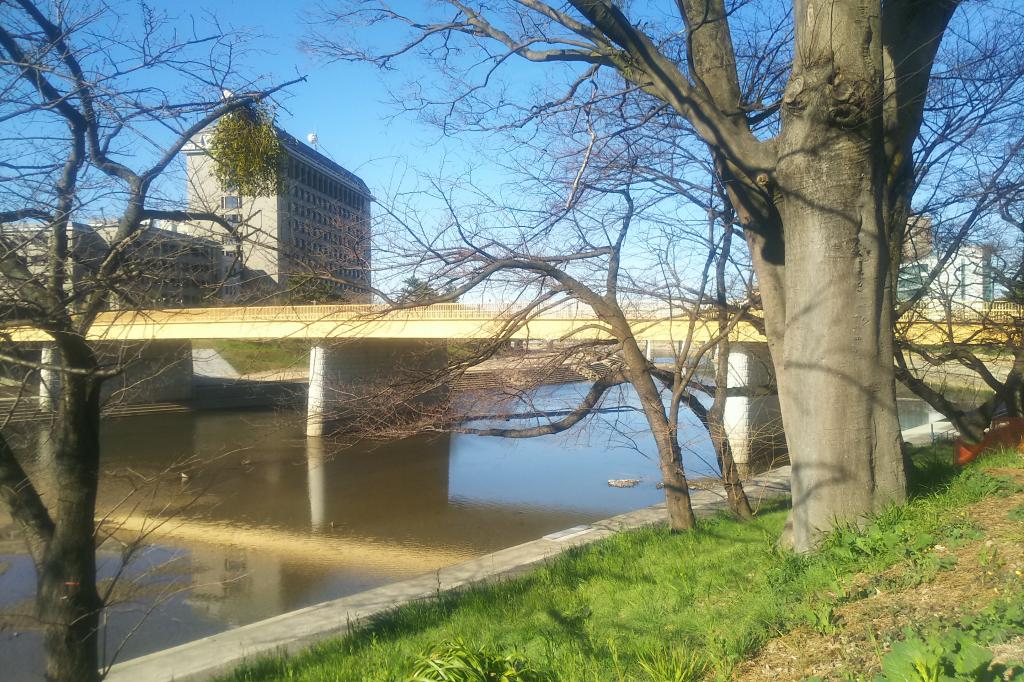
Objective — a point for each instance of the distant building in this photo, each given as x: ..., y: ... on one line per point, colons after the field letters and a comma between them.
x: 315, y: 234
x: 965, y: 281
x: 917, y: 242
x: 161, y: 268
x: 165, y: 268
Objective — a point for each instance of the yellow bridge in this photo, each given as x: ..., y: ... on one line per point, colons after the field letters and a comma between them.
x: 475, y: 321
x: 385, y: 340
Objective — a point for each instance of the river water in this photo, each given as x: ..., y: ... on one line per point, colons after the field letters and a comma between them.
x: 246, y: 518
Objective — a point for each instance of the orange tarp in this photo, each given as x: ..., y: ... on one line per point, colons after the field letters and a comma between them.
x: 1005, y: 433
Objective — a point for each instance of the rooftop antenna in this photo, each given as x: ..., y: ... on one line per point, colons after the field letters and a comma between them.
x: 313, y: 140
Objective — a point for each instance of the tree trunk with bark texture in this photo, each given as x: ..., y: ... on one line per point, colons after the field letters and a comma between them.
x: 837, y: 390
x: 837, y: 394
x: 68, y: 604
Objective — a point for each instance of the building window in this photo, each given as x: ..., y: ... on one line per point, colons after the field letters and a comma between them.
x: 230, y: 203
x: 913, y: 277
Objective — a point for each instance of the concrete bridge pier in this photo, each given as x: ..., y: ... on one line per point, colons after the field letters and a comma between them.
x: 316, y: 398
x: 377, y: 382
x: 49, y: 378
x: 753, y: 420
x: 649, y: 350
x: 150, y: 372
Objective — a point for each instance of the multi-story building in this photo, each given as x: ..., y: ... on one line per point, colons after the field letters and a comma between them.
x: 312, y: 237
x: 164, y: 267
x: 964, y: 281
x: 161, y: 267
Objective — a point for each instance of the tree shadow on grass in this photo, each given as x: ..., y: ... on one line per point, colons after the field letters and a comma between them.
x: 931, y: 469
x: 573, y: 625
x: 720, y: 526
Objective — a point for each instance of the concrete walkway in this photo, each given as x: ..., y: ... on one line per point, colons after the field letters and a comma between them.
x: 926, y: 434
x: 292, y: 632
x: 207, y: 362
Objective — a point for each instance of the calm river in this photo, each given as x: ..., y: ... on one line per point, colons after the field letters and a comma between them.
x: 249, y: 519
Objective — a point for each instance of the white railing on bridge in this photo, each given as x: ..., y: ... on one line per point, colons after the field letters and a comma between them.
x: 440, y: 311
x: 987, y: 312
x: 998, y: 312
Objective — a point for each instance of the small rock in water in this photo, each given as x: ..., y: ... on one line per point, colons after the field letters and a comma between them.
x: 623, y: 482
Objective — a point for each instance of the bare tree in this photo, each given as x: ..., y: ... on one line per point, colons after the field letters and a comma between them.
x: 820, y: 191
x: 89, y: 123
x: 598, y: 245
x: 958, y: 347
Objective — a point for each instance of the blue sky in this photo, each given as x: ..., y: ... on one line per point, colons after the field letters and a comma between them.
x: 342, y: 103
x: 347, y: 104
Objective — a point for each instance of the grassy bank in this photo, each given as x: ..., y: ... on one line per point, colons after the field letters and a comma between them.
x: 248, y: 357
x: 651, y: 605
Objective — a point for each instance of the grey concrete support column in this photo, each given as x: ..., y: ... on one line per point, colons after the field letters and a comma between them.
x: 316, y: 400
x: 370, y: 380
x: 753, y: 421
x: 317, y: 482
x: 49, y: 378
x: 649, y: 350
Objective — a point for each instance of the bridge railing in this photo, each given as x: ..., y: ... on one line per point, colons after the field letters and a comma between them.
x: 1005, y: 311
x: 368, y: 312
x: 986, y: 312
x: 998, y: 312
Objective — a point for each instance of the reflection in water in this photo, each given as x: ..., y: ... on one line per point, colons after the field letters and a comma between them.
x: 247, y: 518
x: 915, y: 412
x: 265, y: 520
x: 316, y: 473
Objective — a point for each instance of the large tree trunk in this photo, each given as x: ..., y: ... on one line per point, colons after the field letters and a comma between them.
x: 833, y: 349
x: 837, y: 394
x: 67, y: 601
x: 837, y: 390
x: 836, y: 382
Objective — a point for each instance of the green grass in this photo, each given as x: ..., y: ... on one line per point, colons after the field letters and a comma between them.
x: 941, y: 650
x: 653, y: 605
x: 265, y: 355
x: 261, y: 356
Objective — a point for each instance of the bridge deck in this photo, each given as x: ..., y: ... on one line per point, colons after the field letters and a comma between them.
x: 446, y: 321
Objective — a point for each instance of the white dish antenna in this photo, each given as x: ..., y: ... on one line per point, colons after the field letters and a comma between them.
x: 313, y: 139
